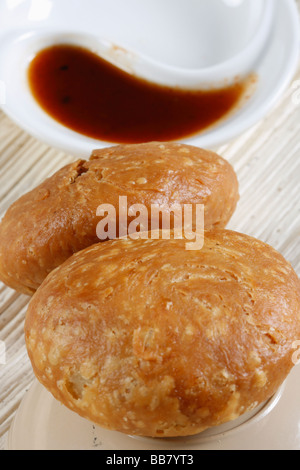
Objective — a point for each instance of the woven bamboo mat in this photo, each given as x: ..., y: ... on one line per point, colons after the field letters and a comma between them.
x: 266, y: 159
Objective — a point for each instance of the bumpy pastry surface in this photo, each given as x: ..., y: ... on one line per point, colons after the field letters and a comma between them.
x: 58, y: 218
x: 147, y: 338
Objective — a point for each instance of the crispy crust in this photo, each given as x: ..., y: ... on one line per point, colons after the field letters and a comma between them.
x: 58, y: 218
x: 147, y: 338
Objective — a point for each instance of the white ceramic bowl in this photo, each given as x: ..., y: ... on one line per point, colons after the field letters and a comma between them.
x: 174, y: 42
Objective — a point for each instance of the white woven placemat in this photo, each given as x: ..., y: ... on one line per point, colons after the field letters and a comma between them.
x: 266, y: 159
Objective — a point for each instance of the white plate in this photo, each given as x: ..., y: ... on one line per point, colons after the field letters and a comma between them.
x: 42, y: 423
x: 28, y: 25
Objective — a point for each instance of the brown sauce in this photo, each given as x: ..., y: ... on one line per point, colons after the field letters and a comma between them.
x: 88, y: 95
